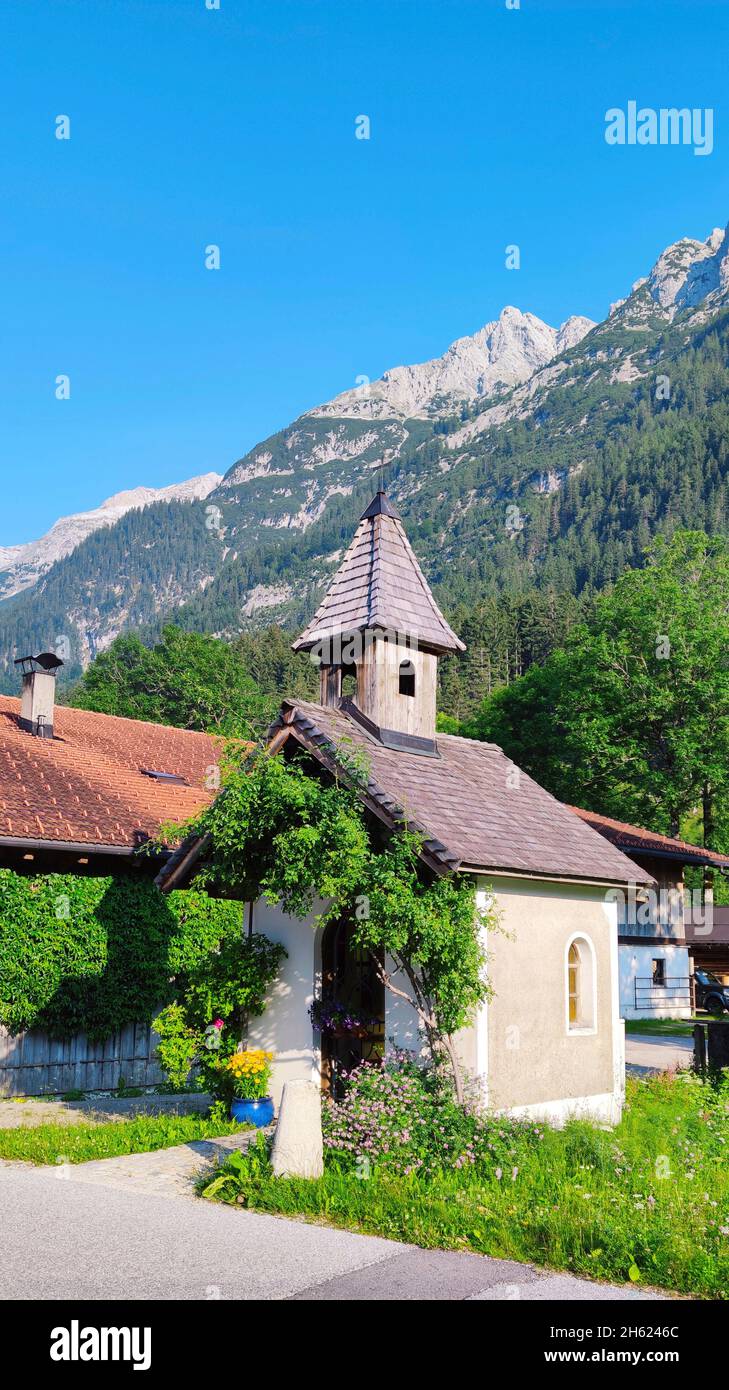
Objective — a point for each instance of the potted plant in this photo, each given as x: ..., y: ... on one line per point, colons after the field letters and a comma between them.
x: 249, y: 1073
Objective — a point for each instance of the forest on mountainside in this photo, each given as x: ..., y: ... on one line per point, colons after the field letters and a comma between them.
x: 592, y: 472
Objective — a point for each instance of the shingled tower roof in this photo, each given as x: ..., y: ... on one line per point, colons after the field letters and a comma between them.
x: 380, y: 584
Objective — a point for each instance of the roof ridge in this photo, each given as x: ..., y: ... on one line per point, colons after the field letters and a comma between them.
x: 120, y: 718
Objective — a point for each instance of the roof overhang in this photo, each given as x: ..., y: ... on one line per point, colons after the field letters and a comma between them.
x: 29, y: 856
x: 545, y: 876
x: 631, y: 840
x: 378, y: 632
x: 680, y: 856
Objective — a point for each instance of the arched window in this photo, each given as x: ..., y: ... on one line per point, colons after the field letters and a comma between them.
x: 407, y: 678
x: 580, y: 986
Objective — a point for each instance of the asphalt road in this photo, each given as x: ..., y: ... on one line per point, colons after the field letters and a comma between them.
x: 77, y: 1240
x: 644, y: 1055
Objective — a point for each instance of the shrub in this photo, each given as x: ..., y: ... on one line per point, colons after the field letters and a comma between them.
x: 216, y: 996
x: 177, y: 1047
x: 403, y: 1118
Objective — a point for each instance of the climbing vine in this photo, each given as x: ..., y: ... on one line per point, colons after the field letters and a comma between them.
x: 93, y: 954
x: 282, y: 831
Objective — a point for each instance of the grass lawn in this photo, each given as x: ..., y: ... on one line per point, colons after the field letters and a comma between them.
x: 664, y: 1027
x: 52, y: 1143
x: 648, y: 1201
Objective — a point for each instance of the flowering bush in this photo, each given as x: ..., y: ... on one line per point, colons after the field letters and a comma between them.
x: 218, y: 993
x: 250, y: 1073
x: 185, y: 1051
x: 402, y: 1117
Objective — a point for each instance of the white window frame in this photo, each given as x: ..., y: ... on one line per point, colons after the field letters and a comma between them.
x: 583, y: 942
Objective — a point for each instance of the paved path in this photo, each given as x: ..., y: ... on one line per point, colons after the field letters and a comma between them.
x: 127, y: 1228
x: 165, y: 1172
x: 645, y: 1055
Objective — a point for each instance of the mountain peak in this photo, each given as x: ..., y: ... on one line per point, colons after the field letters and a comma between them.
x: 505, y: 352
x: 689, y: 274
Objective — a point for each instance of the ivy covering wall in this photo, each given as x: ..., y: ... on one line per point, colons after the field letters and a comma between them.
x: 92, y: 954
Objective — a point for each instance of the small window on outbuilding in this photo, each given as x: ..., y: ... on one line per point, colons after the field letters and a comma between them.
x: 659, y: 971
x: 407, y: 678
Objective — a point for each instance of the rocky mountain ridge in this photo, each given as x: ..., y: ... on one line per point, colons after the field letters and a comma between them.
x: 21, y: 566
x: 498, y: 356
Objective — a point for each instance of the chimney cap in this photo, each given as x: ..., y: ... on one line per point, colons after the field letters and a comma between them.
x: 46, y: 661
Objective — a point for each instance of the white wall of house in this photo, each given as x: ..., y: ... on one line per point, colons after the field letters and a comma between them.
x: 534, y: 1062
x: 285, y: 1028
x: 636, y: 963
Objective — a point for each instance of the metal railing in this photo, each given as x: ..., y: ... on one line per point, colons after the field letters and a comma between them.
x: 674, y: 992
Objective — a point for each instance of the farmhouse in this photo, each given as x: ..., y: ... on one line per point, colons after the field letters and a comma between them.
x: 83, y: 793
x: 550, y: 1042
x: 660, y: 941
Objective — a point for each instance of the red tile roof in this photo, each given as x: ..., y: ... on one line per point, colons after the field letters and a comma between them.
x: 85, y: 786
x: 634, y: 837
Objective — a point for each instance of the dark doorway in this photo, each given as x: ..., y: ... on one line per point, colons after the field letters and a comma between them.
x: 349, y: 982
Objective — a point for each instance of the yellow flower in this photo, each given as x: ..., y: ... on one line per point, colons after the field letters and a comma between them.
x: 253, y: 1062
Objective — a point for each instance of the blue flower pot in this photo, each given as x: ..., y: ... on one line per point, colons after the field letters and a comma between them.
x: 253, y: 1112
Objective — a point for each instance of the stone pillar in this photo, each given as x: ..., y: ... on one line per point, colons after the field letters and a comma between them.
x: 298, y: 1149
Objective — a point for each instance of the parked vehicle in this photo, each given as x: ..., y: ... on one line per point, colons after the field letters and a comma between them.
x: 711, y: 994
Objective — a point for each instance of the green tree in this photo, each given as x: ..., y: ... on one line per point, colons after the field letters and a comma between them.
x: 631, y: 717
x: 188, y: 680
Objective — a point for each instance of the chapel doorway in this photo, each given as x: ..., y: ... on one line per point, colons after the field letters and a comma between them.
x: 352, y: 1019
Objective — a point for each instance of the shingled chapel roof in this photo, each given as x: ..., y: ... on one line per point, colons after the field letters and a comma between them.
x: 475, y: 811
x: 380, y: 585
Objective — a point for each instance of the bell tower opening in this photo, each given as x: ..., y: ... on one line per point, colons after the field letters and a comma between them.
x: 406, y: 685
x: 349, y: 680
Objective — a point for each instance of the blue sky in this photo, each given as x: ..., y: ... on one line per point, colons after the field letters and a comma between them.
x: 339, y: 257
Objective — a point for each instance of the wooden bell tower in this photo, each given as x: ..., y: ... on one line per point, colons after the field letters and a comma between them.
x: 378, y: 634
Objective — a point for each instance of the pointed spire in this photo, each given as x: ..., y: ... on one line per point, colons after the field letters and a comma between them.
x: 380, y: 585
x: 380, y: 506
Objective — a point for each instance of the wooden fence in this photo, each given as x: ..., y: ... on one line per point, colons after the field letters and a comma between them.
x: 32, y: 1064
